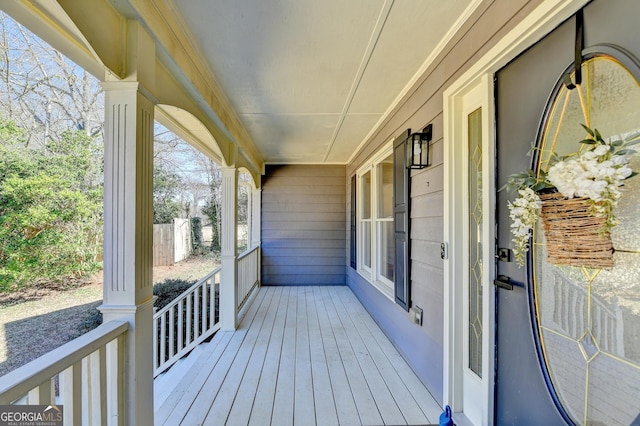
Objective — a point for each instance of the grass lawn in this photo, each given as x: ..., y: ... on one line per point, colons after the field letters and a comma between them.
x: 36, y: 321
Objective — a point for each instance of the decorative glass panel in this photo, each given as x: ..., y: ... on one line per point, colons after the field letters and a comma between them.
x: 475, y: 241
x: 589, y: 319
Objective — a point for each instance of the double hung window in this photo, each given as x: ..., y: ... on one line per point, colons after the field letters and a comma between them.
x: 375, y: 230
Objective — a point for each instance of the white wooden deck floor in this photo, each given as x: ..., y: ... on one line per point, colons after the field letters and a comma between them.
x: 303, y: 356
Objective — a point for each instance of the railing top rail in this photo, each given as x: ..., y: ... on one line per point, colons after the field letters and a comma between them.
x: 20, y: 381
x: 247, y: 252
x: 187, y: 291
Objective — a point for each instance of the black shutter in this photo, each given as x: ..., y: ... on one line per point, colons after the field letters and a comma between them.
x: 353, y: 223
x: 401, y: 184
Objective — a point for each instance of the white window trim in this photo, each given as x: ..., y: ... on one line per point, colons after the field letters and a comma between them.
x: 372, y: 275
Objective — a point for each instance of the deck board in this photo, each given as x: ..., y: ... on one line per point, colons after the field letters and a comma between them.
x: 325, y: 406
x: 346, y: 409
x: 383, y: 399
x: 265, y: 395
x: 304, y: 407
x: 283, y: 401
x: 398, y: 390
x: 221, y: 407
x: 302, y: 356
x: 239, y: 414
x: 365, y: 403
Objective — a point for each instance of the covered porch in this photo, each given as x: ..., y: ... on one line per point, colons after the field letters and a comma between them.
x: 316, y: 101
x: 301, y: 355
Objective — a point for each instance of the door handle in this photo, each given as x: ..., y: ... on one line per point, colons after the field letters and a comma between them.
x: 503, y: 281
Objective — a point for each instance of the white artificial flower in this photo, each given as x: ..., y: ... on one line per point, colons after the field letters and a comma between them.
x: 523, y: 212
x: 621, y: 173
x: 601, y: 150
x: 590, y: 174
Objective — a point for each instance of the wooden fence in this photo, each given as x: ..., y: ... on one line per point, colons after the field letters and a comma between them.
x: 171, y: 242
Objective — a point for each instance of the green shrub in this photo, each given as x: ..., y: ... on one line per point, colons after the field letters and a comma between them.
x: 167, y: 290
x: 196, y: 233
x: 50, y: 212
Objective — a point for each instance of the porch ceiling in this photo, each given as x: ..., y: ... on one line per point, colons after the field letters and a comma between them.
x: 311, y: 79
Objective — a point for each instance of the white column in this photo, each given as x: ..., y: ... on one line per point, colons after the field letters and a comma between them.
x: 256, y: 208
x: 229, y: 243
x: 128, y: 238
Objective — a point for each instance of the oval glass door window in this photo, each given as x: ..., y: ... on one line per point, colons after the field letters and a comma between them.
x: 588, y: 320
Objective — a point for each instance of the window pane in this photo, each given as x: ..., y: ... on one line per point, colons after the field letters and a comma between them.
x: 475, y: 241
x: 385, y: 188
x: 366, y: 196
x: 366, y: 244
x: 386, y: 247
x: 243, y: 218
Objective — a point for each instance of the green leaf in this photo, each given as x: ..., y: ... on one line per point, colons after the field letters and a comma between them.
x: 588, y: 141
x: 588, y: 129
x: 597, y: 134
x: 539, y: 186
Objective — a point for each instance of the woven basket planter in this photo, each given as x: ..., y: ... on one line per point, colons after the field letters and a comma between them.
x: 574, y: 235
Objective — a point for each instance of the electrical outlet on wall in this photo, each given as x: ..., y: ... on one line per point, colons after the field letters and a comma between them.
x: 415, y: 314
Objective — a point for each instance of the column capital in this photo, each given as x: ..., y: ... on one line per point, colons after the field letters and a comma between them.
x: 113, y: 85
x: 127, y: 86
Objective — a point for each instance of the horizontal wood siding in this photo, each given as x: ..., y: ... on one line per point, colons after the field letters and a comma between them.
x: 303, y: 225
x: 423, y: 346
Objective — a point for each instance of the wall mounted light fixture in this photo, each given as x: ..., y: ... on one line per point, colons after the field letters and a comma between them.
x: 417, y: 148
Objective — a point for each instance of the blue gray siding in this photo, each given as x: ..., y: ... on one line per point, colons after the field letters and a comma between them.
x: 303, y: 225
x: 423, y: 346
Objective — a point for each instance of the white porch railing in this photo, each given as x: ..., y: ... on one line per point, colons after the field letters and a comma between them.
x: 186, y: 322
x: 194, y: 315
x: 85, y: 375
x: 248, y: 274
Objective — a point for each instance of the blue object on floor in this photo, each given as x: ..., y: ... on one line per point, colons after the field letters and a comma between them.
x: 445, y: 417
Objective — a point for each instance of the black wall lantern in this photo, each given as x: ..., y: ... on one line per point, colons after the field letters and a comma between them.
x: 417, y: 148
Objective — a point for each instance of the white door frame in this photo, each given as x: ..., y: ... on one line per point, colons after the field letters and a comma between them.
x: 544, y: 18
x: 457, y: 274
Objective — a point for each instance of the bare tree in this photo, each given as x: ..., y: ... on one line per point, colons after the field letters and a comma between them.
x: 46, y: 94
x: 42, y: 91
